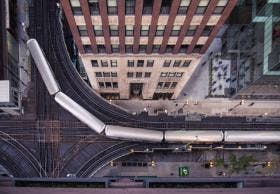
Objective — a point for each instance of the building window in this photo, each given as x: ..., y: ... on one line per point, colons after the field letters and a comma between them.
x: 144, y: 30
x: 179, y: 74
x: 219, y: 10
x: 83, y: 30
x: 202, y: 6
x: 112, y: 7
x: 167, y: 63
x: 148, y: 74
x: 177, y: 63
x: 106, y: 74
x: 108, y: 84
x: 197, y: 48
x: 138, y: 74
x: 184, y: 6
x: 114, y: 63
x: 171, y: 74
x: 115, y: 85
x: 173, y: 85
x: 163, y: 74
x: 156, y: 48
x: 166, y: 85
x: 148, y: 6
x: 169, y: 48
x: 129, y: 48
x: 94, y: 63
x: 130, y: 63
x: 101, y: 84
x: 104, y: 63
x: 175, y: 31
x: 183, y: 48
x: 165, y: 6
x: 98, y: 74
x: 129, y: 7
x: 159, y: 85
x: 207, y: 30
x: 94, y: 7
x: 98, y: 30
x: 88, y: 48
x: 160, y: 30
x: 191, y: 31
x: 77, y: 11
x: 129, y: 74
x: 101, y: 48
x: 150, y: 63
x: 129, y: 30
x: 140, y: 63
x: 114, y: 74
x: 186, y: 63
x: 142, y: 48
x: 114, y: 31
x: 115, y: 48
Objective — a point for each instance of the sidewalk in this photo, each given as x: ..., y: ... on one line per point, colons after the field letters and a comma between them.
x: 209, y: 107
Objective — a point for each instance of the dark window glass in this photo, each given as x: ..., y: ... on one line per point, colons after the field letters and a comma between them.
x: 160, y: 30
x: 98, y: 31
x: 148, y: 6
x: 108, y: 84
x: 191, y: 31
x: 106, y: 74
x: 219, y: 10
x: 148, y: 74
x: 160, y: 84
x: 165, y: 6
x: 83, y: 30
x: 207, y: 30
x: 98, y: 74
x: 177, y: 63
x: 183, y: 7
x: 150, y: 63
x: 145, y: 30
x: 115, y: 48
x: 129, y: 6
x: 179, y: 74
x: 186, y: 63
x: 156, y: 48
x: 115, y: 85
x: 138, y: 74
x: 183, y: 48
x: 175, y: 31
x: 142, y: 48
x: 129, y: 30
x: 77, y: 11
x: 129, y: 48
x: 167, y: 63
x: 130, y: 74
x: 101, y: 48
x: 112, y: 7
x: 114, y: 74
x: 200, y: 9
x: 166, y: 85
x: 114, y: 63
x: 93, y: 7
x: 94, y: 63
x: 88, y: 48
x: 130, y: 63
x: 140, y: 63
x: 114, y: 31
x: 104, y: 63
x: 173, y: 85
x: 101, y: 84
x: 171, y: 74
x: 197, y: 48
x: 169, y: 48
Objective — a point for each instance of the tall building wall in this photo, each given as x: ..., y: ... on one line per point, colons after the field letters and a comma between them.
x: 165, y: 39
